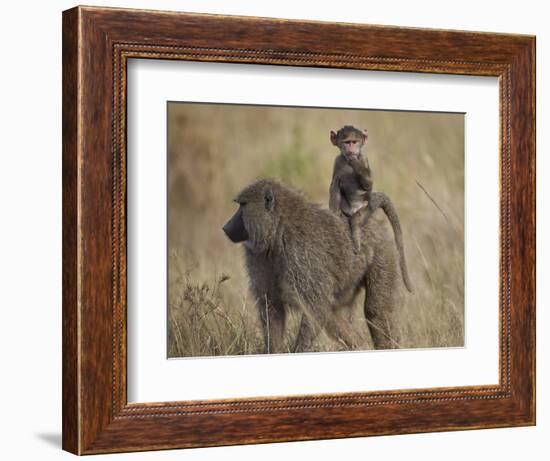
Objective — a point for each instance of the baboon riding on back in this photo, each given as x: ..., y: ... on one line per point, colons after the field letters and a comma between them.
x: 351, y: 193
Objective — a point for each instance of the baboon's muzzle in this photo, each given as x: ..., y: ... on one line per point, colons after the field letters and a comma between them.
x: 234, y: 228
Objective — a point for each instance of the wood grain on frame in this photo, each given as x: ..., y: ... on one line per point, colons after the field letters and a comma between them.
x: 97, y: 42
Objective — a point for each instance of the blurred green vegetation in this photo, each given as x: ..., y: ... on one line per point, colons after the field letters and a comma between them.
x: 295, y: 164
x: 214, y: 150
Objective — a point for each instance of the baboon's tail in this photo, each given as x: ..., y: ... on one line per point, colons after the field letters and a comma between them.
x: 381, y: 200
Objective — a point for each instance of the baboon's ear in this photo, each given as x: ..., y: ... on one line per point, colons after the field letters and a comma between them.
x: 269, y: 199
x: 333, y: 138
x: 365, y: 134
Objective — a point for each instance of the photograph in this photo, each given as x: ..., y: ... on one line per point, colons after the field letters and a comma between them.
x: 313, y: 229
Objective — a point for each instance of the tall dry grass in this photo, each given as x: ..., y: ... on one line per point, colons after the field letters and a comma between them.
x: 215, y: 150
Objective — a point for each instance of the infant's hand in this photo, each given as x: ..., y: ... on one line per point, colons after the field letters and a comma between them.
x: 354, y: 160
x: 349, y: 158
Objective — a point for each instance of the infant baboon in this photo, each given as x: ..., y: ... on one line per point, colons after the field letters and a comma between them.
x: 351, y: 191
x: 300, y: 256
x: 351, y: 186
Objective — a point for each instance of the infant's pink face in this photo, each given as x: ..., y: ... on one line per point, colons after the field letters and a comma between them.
x: 351, y: 147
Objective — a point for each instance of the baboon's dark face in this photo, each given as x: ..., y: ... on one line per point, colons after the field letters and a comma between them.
x: 234, y: 228
x: 254, y: 223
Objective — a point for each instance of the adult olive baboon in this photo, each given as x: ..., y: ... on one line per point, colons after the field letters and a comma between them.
x: 351, y: 191
x: 300, y: 256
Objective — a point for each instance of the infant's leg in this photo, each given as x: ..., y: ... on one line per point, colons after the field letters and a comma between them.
x: 355, y: 228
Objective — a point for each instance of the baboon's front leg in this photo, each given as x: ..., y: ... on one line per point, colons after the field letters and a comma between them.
x: 273, y: 318
x: 307, y: 333
x: 340, y: 329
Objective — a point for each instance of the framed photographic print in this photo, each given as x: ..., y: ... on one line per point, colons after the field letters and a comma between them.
x: 283, y: 230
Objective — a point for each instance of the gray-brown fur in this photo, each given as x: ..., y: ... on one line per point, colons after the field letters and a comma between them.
x: 300, y: 256
x: 351, y: 194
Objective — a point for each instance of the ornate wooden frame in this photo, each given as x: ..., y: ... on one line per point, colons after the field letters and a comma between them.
x: 97, y: 43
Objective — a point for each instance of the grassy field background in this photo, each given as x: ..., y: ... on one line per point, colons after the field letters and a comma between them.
x: 215, y: 150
